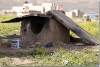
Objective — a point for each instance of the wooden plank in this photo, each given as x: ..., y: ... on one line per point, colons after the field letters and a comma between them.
x: 27, y: 18
x: 68, y: 23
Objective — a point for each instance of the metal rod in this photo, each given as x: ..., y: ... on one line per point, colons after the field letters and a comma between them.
x: 99, y: 30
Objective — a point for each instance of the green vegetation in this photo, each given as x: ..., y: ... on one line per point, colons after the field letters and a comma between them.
x: 90, y: 27
x: 3, y: 18
x: 85, y: 57
x: 59, y: 57
x: 41, y: 57
x: 8, y: 28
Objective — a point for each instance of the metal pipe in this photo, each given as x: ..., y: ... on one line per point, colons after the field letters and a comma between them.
x: 99, y: 30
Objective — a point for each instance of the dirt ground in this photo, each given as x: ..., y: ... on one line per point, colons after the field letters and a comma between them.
x: 69, y: 47
x: 20, y: 56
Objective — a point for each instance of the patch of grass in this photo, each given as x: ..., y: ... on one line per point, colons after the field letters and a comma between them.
x: 90, y: 27
x: 3, y: 18
x: 77, y: 58
x: 85, y: 57
x: 9, y: 28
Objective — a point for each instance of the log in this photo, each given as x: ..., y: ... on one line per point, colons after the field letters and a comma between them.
x: 68, y: 23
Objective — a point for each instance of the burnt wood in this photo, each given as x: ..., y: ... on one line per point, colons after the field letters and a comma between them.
x: 28, y: 18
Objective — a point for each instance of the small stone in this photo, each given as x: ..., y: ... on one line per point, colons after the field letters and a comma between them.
x: 65, y: 62
x: 48, y: 45
x: 79, y: 44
